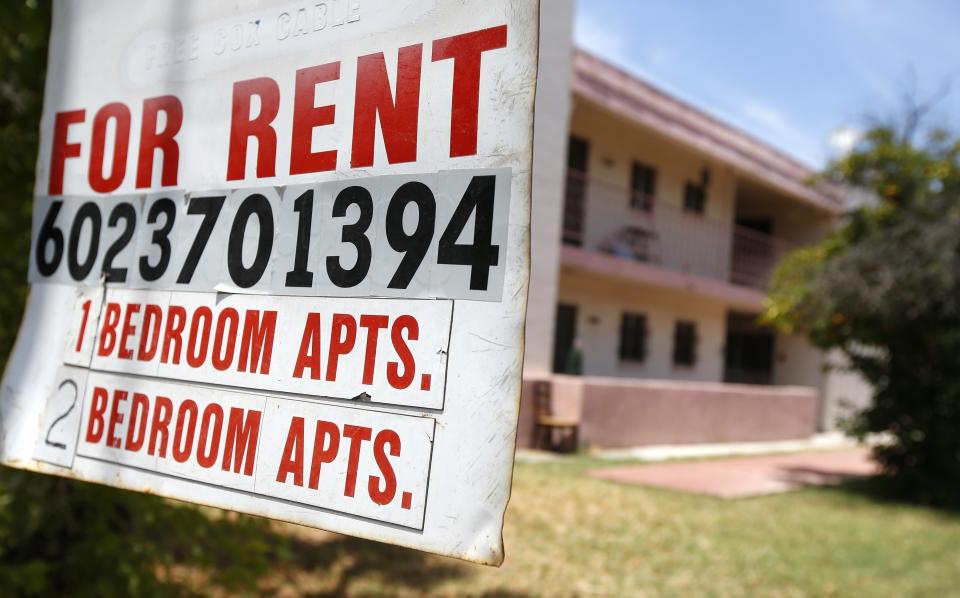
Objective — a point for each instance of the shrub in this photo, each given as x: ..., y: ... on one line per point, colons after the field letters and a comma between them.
x: 68, y: 538
x: 885, y: 290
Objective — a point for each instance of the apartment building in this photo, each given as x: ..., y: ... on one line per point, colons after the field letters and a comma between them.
x: 655, y: 230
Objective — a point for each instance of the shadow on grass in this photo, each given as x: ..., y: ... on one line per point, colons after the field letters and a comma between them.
x: 815, y: 476
x: 341, y: 561
x: 326, y: 565
x: 363, y: 567
x: 884, y: 490
x: 63, y: 537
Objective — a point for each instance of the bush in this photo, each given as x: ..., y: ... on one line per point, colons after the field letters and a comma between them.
x: 68, y: 538
x: 885, y: 290
x: 61, y: 537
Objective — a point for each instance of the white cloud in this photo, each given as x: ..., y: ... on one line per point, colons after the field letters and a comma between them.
x: 592, y: 36
x: 768, y: 116
x: 606, y: 43
x: 843, y: 139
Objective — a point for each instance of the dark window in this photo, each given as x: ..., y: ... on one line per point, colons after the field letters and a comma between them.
x: 578, y: 151
x: 633, y: 337
x: 565, y: 333
x: 643, y: 186
x: 749, y: 350
x: 694, y: 197
x: 760, y: 225
x: 685, y: 343
x: 757, y: 352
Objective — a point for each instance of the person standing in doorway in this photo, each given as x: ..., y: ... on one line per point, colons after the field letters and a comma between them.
x: 574, y: 363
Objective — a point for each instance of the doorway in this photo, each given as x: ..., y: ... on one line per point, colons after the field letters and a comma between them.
x: 565, y: 331
x: 578, y: 152
x: 749, y: 350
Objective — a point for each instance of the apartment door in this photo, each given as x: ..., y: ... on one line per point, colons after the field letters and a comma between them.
x: 564, y: 333
x: 749, y: 350
x: 578, y: 151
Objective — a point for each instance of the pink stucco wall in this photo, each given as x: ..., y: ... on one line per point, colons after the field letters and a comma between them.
x: 617, y: 413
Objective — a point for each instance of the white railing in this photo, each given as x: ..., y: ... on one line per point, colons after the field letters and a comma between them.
x: 603, y: 216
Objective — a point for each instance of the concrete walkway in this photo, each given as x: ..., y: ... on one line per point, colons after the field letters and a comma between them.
x: 747, y: 476
x: 822, y: 441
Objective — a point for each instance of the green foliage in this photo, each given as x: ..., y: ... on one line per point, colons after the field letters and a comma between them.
x: 885, y: 290
x: 67, y: 538
x: 896, y: 168
x: 788, y: 303
x: 24, y: 28
x: 60, y: 537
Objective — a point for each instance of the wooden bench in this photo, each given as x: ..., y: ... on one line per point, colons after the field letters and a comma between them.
x: 546, y: 422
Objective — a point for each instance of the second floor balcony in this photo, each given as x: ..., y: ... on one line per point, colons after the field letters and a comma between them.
x: 612, y: 219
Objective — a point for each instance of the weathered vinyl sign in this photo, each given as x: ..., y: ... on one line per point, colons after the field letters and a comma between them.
x: 279, y: 261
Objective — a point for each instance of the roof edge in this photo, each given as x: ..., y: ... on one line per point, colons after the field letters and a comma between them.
x: 624, y: 93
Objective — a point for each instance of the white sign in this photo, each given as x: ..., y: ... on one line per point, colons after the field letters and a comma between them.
x: 280, y: 260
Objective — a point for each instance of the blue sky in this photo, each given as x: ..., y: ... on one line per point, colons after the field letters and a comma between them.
x: 792, y: 73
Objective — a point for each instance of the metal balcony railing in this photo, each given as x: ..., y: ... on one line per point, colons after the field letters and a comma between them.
x: 606, y: 217
x: 754, y: 257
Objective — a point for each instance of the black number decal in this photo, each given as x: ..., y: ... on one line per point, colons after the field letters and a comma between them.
x: 481, y: 254
x: 210, y: 208
x: 160, y: 238
x: 126, y: 212
x: 413, y: 246
x: 49, y: 234
x: 242, y: 276
x: 410, y: 227
x: 88, y: 211
x: 300, y: 276
x: 355, y: 234
x: 62, y: 416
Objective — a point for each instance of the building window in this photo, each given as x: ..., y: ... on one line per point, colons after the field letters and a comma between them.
x: 643, y: 186
x: 633, y: 337
x: 694, y: 197
x: 578, y: 153
x: 685, y: 343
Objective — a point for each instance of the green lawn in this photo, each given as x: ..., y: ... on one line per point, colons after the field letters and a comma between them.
x: 570, y: 535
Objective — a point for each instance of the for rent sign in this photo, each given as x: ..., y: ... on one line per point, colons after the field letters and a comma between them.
x: 280, y: 259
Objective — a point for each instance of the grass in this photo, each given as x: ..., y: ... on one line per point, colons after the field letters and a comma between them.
x: 569, y: 535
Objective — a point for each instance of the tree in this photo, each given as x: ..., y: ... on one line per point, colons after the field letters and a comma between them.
x: 23, y: 50
x: 58, y: 536
x: 884, y: 289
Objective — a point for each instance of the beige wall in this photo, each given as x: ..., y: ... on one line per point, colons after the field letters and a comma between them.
x: 600, y: 304
x: 844, y: 393
x: 688, y: 242
x: 793, y: 221
x: 797, y: 362
x: 549, y: 165
x: 685, y: 242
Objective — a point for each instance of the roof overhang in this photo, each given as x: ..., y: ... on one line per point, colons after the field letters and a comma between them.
x: 616, y: 90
